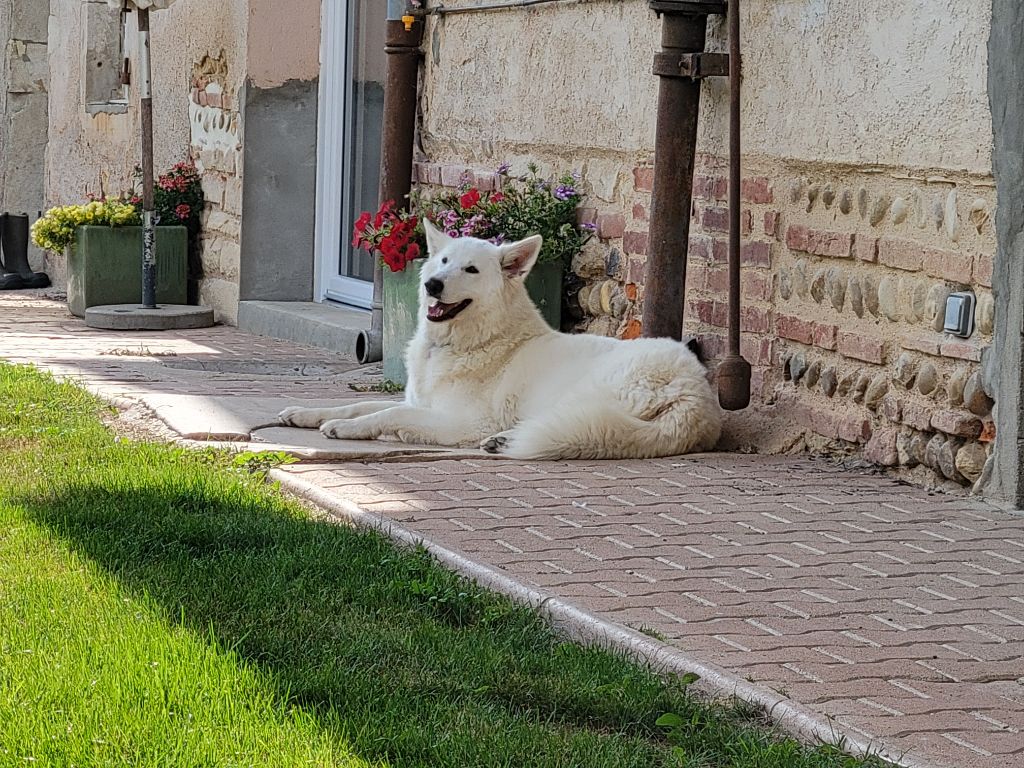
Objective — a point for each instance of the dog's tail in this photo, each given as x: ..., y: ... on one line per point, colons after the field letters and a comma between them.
x: 697, y: 348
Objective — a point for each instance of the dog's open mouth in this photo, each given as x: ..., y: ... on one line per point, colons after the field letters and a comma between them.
x: 440, y: 311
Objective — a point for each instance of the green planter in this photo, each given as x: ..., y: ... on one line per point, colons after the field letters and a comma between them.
x: 105, y: 267
x: 401, y: 307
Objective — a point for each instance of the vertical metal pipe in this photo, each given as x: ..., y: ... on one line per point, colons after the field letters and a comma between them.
x: 675, y: 155
x: 148, y: 203
x: 734, y: 371
x: 402, y: 47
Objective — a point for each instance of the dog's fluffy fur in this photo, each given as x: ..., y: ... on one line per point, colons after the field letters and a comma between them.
x: 488, y: 371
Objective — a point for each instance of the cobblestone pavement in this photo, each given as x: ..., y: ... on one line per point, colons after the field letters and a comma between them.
x: 897, y: 614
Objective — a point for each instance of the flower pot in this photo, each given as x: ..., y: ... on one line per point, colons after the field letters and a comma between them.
x: 401, y: 308
x: 105, y: 267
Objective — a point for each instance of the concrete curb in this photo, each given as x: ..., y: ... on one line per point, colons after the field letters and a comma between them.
x: 579, y: 624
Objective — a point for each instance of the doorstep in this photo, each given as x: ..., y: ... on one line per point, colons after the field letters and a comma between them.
x: 328, y: 326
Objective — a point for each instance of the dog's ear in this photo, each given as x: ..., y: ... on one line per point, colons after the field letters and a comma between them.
x: 437, y: 240
x: 517, y: 259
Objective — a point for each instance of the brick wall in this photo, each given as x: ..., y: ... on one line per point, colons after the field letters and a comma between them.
x: 844, y: 282
x: 845, y: 279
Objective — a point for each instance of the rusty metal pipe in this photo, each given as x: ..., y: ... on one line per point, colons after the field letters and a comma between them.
x: 402, y: 47
x: 675, y: 150
x: 734, y: 370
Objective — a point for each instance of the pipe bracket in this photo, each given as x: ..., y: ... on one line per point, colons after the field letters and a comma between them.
x: 694, y: 66
x: 690, y: 7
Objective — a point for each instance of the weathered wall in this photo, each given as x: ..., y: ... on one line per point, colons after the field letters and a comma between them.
x: 868, y: 196
x: 23, y: 108
x: 96, y: 151
x: 1005, y: 367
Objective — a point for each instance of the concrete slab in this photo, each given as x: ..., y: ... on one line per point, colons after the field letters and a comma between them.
x: 310, y: 444
x: 323, y: 325
x: 133, y: 317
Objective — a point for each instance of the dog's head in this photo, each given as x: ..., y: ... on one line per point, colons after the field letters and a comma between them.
x: 465, y: 277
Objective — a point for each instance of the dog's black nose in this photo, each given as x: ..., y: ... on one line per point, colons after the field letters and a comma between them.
x: 434, y: 287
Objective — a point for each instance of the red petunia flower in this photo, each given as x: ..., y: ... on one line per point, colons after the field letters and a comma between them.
x: 471, y: 198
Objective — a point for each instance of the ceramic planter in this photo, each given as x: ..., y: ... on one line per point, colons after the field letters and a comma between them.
x: 105, y: 267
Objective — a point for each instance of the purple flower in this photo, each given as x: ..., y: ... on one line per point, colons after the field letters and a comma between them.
x: 466, y: 179
x: 577, y: 176
x: 504, y: 168
x: 474, y: 225
x: 498, y: 240
x: 589, y: 226
x: 564, y: 192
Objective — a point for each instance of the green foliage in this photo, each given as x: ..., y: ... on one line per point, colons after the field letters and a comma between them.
x: 522, y: 206
x: 55, y: 230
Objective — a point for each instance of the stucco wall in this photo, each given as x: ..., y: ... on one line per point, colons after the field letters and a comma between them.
x: 868, y: 197
x: 98, y: 152
x: 23, y: 108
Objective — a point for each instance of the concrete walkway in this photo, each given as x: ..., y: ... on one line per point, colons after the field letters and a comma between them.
x: 851, y: 603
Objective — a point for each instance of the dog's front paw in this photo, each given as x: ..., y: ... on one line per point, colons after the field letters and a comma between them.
x: 342, y: 429
x: 297, y: 416
x: 495, y: 444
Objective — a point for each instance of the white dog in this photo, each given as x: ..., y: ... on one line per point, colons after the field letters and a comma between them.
x: 485, y: 369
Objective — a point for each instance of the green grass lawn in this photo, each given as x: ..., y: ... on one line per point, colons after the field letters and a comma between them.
x: 163, y: 608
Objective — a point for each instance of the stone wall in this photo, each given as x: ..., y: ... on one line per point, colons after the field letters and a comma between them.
x: 215, y: 144
x: 868, y: 196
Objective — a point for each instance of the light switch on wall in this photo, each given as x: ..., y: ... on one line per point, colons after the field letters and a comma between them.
x: 959, y: 314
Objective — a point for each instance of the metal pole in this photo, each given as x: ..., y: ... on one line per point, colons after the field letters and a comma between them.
x: 675, y: 152
x: 148, y: 203
x: 734, y: 371
x: 402, y: 47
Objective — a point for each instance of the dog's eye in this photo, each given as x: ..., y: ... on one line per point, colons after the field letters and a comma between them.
x: 444, y: 260
x: 472, y: 270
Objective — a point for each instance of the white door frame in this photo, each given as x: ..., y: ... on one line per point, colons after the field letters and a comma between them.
x: 332, y: 136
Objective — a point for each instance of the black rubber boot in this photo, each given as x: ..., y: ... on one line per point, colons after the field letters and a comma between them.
x: 9, y: 281
x: 14, y: 240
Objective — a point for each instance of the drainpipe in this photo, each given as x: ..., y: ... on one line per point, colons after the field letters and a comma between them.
x: 734, y: 371
x: 402, y: 46
x: 681, y: 65
x: 683, y: 33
